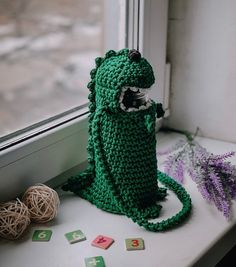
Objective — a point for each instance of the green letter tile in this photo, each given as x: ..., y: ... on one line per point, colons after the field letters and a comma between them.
x: 75, y: 236
x: 94, y: 262
x: 42, y: 235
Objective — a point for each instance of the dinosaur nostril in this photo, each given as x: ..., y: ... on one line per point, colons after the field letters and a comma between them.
x: 134, y: 55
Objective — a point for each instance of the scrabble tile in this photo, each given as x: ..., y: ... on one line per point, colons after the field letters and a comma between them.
x: 95, y: 262
x: 102, y: 242
x: 75, y: 236
x: 42, y: 235
x: 134, y: 244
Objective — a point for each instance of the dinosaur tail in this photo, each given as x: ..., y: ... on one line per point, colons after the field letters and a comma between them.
x: 175, y: 220
x: 79, y: 182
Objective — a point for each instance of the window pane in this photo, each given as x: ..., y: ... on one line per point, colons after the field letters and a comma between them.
x: 47, y: 49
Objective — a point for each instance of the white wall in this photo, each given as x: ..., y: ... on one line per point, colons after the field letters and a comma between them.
x: 202, y: 51
x: 154, y: 42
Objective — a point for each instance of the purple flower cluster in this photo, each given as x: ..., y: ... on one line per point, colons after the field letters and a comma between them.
x: 214, y: 176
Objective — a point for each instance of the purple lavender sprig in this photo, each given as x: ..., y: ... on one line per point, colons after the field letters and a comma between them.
x: 214, y: 176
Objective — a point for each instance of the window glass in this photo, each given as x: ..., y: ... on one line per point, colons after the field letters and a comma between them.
x: 47, y: 49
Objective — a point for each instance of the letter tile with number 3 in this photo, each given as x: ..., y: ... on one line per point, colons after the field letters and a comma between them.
x: 134, y: 244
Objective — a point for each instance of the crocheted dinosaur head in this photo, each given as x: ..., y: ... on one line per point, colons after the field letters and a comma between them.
x: 122, y: 81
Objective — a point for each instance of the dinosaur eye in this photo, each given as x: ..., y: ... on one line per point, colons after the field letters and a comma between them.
x: 134, y: 55
x: 134, y: 99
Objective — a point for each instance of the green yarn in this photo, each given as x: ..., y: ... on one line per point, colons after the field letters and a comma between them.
x: 122, y: 173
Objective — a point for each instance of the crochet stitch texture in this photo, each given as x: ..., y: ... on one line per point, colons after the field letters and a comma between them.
x: 122, y: 167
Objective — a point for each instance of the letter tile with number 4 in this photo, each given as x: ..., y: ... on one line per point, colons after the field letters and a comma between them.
x: 102, y: 241
x: 134, y: 244
x: 42, y: 235
x: 75, y: 236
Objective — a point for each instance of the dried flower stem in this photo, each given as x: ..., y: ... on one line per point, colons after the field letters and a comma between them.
x: 214, y: 176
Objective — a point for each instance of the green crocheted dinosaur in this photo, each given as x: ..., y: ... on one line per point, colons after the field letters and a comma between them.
x: 122, y: 167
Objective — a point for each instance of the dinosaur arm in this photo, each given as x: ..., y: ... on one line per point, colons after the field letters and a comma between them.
x: 160, y: 111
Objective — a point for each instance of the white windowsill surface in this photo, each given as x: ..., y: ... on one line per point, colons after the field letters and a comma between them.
x: 202, y: 241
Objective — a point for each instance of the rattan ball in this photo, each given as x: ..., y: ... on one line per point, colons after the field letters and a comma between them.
x: 14, y: 219
x: 42, y: 202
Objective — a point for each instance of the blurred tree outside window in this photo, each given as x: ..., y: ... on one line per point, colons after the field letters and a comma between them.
x: 47, y: 49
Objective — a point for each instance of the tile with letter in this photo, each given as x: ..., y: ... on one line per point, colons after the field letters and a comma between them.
x: 95, y: 262
x: 75, y: 236
x: 42, y: 235
x: 134, y: 244
x: 102, y: 242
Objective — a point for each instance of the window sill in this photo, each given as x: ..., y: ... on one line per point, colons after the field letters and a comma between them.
x: 43, y: 156
x: 202, y: 241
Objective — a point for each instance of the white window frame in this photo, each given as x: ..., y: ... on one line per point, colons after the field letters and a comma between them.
x: 54, y: 151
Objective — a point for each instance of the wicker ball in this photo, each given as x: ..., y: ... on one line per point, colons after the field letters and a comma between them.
x: 14, y: 219
x: 42, y: 202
